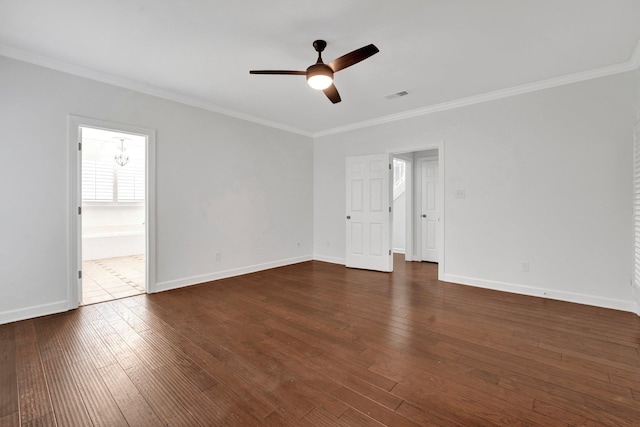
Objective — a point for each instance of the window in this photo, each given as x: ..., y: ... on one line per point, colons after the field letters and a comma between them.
x: 130, y: 180
x: 97, y: 181
x: 105, y: 181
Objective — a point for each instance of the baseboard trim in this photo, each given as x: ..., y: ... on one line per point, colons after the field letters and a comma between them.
x: 636, y: 294
x: 332, y: 260
x: 33, y: 311
x: 554, y: 294
x: 398, y: 251
x: 194, y: 280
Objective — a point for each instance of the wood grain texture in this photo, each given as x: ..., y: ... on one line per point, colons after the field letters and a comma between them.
x: 8, y: 377
x: 317, y: 344
x: 33, y: 392
x: 131, y: 402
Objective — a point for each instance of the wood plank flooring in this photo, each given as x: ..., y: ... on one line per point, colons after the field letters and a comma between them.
x: 317, y: 344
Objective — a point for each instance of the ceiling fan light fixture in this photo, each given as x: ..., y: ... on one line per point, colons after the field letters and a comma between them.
x: 319, y: 76
x: 319, y: 82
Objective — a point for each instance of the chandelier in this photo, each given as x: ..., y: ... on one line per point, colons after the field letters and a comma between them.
x: 121, y: 157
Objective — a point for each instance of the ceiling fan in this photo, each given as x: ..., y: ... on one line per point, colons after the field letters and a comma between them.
x: 320, y: 75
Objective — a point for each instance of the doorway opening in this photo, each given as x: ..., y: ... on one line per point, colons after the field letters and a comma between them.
x: 113, y: 215
x: 418, y: 205
x: 112, y: 207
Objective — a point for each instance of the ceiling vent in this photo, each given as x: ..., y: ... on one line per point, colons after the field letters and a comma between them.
x: 397, y: 95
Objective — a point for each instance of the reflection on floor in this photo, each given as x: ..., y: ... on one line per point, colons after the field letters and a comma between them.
x: 112, y: 278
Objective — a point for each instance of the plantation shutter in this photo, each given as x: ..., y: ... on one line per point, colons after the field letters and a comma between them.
x: 97, y: 181
x: 131, y: 183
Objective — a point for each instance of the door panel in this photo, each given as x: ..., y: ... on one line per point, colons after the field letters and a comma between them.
x: 375, y: 195
x: 430, y: 212
x: 356, y: 238
x: 368, y: 220
x: 356, y: 195
x: 375, y: 239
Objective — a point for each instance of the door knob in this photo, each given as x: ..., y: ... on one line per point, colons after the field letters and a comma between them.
x: 348, y: 216
x: 424, y: 215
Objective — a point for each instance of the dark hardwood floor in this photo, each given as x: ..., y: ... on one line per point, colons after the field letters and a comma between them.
x: 317, y: 344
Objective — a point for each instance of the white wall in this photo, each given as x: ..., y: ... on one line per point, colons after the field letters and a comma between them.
x: 223, y: 185
x: 547, y: 177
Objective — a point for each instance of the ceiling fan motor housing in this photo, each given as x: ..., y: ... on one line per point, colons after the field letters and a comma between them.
x: 319, y: 70
x: 319, y: 76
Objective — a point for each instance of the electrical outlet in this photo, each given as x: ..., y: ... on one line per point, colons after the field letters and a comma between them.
x: 460, y: 194
x: 218, y: 256
x: 525, y: 266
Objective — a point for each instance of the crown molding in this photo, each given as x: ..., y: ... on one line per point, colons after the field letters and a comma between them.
x: 47, y: 62
x: 22, y: 55
x: 632, y: 64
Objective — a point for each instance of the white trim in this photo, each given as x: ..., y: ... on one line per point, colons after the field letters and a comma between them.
x: 26, y: 56
x: 409, y: 220
x: 33, y: 311
x: 204, y: 278
x: 615, y: 304
x: 399, y: 251
x: 74, y: 200
x: 635, y: 291
x: 635, y: 215
x: 408, y: 205
x: 492, y: 96
x: 65, y: 67
x: 409, y: 237
x: 330, y: 259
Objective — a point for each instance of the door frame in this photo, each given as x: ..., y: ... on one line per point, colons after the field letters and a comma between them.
x: 635, y: 285
x: 408, y: 221
x: 75, y: 201
x: 413, y: 251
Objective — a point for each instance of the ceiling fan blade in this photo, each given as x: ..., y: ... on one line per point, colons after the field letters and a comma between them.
x: 287, y: 72
x: 332, y: 94
x: 352, y: 58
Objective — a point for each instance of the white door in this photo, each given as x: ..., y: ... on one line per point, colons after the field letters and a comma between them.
x: 430, y: 214
x: 368, y: 216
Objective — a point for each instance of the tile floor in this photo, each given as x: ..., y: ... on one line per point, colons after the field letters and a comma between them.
x: 112, y: 278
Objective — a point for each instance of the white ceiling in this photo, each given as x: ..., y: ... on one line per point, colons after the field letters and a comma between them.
x: 201, y: 51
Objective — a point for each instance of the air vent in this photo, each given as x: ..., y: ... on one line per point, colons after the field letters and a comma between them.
x: 397, y: 95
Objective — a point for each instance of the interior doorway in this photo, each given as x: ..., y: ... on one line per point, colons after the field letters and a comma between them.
x: 77, y: 127
x: 112, y: 228
x: 418, y: 205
